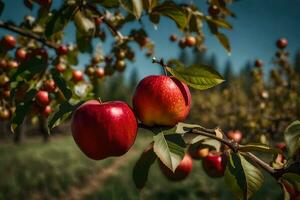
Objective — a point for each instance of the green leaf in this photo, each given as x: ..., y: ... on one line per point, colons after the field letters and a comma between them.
x: 59, y: 20
x: 219, y: 22
x: 195, y: 24
x: 149, y: 4
x: 109, y: 3
x: 60, y: 82
x: 223, y: 39
x: 29, y: 68
x: 64, y: 111
x: 28, y: 4
x: 292, y: 138
x: 84, y: 25
x: 259, y: 148
x: 133, y: 6
x: 22, y: 109
x: 84, y: 42
x: 169, y: 152
x: 200, y: 77
x: 171, y: 10
x: 242, y: 177
x: 142, y: 167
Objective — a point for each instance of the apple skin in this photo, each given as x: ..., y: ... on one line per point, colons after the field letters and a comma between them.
x: 62, y: 50
x: 282, y: 43
x: 258, y: 63
x: 198, y: 153
x: 47, y: 111
x: 100, y: 73
x: 161, y: 100
x: 181, y: 172
x: 190, y: 41
x: 49, y: 85
x: 106, y: 129
x: 9, y: 42
x: 214, y: 164
x: 77, y: 75
x: 235, y: 135
x: 21, y: 54
x: 42, y: 98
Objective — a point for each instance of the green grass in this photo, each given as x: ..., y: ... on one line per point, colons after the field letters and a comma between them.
x: 45, y: 169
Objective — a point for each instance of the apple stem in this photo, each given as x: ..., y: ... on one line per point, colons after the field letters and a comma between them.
x: 161, y: 63
x: 99, y: 99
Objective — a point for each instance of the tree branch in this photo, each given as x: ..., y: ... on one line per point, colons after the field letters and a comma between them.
x: 28, y: 34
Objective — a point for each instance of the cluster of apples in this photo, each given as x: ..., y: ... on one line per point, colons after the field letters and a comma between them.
x: 188, y: 41
x: 109, y: 129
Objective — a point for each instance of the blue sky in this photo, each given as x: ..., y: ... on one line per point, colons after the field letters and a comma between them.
x: 257, y: 26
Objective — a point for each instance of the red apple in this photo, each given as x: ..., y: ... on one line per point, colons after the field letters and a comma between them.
x: 49, y: 85
x: 190, y: 41
x: 235, y: 135
x: 20, y: 54
x: 181, y: 43
x: 47, y: 111
x: 5, y: 113
x: 173, y: 37
x: 77, y: 75
x: 8, y: 42
x: 213, y: 10
x: 106, y: 129
x: 142, y: 41
x: 281, y: 146
x: 214, y: 164
x: 98, y: 21
x: 62, y: 50
x: 282, y: 43
x: 40, y: 52
x: 100, y: 73
x: 12, y: 64
x: 259, y: 63
x: 3, y: 64
x: 181, y: 172
x: 44, y: 2
x: 42, y: 98
x: 161, y: 100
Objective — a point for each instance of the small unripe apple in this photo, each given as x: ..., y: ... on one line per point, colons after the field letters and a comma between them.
x: 173, y: 37
x: 77, y: 75
x: 103, y: 130
x: 47, y: 111
x: 4, y: 79
x: 3, y: 64
x: 49, y: 85
x: 12, y: 64
x: 182, y: 170
x: 161, y: 100
x: 142, y: 41
x: 90, y: 70
x: 61, y: 68
x: 259, y: 63
x: 121, y: 54
x: 282, y: 43
x: 214, y: 164
x: 6, y: 93
x: 42, y: 98
x: 235, y: 135
x: 8, y: 42
x: 100, y: 73
x: 96, y: 59
x: 213, y: 10
x: 197, y: 152
x: 120, y: 65
x: 130, y: 55
x: 190, y: 41
x: 21, y: 54
x: 62, y: 50
x: 181, y: 43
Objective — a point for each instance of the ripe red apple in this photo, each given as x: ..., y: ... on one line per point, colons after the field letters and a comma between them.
x: 62, y: 50
x: 173, y: 37
x: 77, y: 75
x: 47, y: 111
x: 197, y: 152
x: 190, y: 41
x: 181, y: 172
x: 161, y: 100
x: 100, y: 73
x: 214, y: 164
x: 20, y: 54
x: 142, y: 41
x: 44, y: 2
x: 259, y: 63
x: 49, y: 85
x: 8, y: 42
x: 42, y: 98
x: 60, y: 68
x: 281, y: 146
x: 106, y: 129
x: 282, y: 43
x: 235, y: 135
x: 5, y: 113
x: 3, y: 64
x: 6, y: 93
x: 98, y: 21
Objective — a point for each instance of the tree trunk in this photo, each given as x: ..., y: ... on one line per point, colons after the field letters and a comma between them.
x: 43, y: 128
x: 19, y: 134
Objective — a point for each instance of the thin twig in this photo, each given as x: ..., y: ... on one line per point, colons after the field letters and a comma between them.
x: 28, y: 34
x: 161, y: 63
x: 261, y: 163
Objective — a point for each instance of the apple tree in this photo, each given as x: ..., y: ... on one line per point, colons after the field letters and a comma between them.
x: 40, y: 79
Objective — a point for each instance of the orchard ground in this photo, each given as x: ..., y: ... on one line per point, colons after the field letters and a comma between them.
x: 58, y: 170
